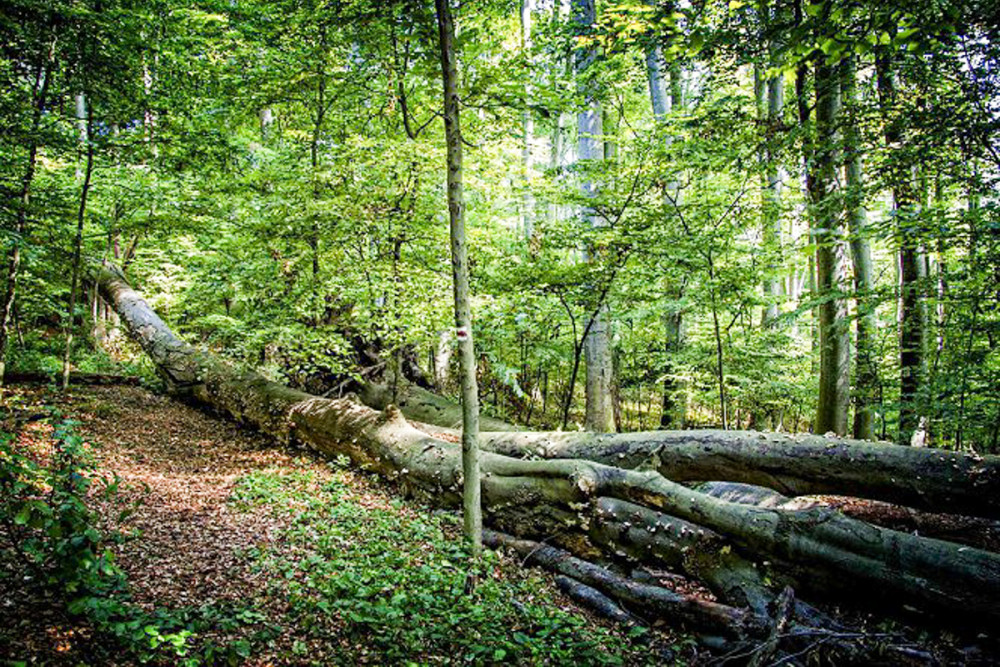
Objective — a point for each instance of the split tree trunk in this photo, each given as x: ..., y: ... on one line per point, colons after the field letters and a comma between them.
x: 928, y: 479
x: 924, y: 478
x: 560, y: 500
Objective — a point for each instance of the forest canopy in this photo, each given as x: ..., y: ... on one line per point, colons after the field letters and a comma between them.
x: 780, y: 216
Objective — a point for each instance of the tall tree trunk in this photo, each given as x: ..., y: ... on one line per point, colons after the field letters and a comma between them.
x: 527, y: 128
x: 804, y: 113
x: 905, y: 210
x: 866, y: 374
x: 266, y: 116
x: 597, y: 345
x: 85, y: 121
x: 663, y: 102
x: 771, y: 108
x: 471, y: 491
x: 40, y: 91
x: 834, y: 347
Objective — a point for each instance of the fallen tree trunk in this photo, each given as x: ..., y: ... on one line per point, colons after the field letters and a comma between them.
x: 561, y: 499
x: 794, y: 465
x: 651, y: 601
x: 419, y: 404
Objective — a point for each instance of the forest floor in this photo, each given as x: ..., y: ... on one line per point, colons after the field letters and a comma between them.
x: 269, y: 555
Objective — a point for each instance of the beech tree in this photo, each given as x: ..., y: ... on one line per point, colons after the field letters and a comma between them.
x: 471, y: 487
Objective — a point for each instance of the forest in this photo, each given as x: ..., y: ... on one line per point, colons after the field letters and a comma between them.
x: 537, y: 332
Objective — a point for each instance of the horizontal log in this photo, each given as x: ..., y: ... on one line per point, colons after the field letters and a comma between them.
x: 420, y: 405
x: 596, y: 601
x: 794, y: 465
x: 654, y: 601
x: 543, y: 498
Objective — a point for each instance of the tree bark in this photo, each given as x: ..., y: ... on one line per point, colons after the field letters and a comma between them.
x: 929, y: 479
x: 662, y: 103
x: 654, y: 601
x: 866, y: 373
x: 834, y: 347
x: 905, y: 204
x: 597, y: 344
x: 527, y: 128
x: 771, y: 108
x: 471, y: 487
x: 424, y: 406
x: 85, y: 120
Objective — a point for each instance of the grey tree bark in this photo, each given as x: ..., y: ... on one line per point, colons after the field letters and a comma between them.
x: 471, y: 486
x: 527, y: 129
x: 597, y: 345
x: 866, y: 369
x: 85, y: 122
x: 663, y: 102
x: 834, y: 341
x: 771, y: 105
x: 266, y: 116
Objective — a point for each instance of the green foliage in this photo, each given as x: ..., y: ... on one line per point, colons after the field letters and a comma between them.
x: 301, y: 244
x: 394, y: 583
x: 46, y: 521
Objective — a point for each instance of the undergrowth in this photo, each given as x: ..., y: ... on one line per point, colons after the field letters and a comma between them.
x: 391, y: 585
x: 55, y: 544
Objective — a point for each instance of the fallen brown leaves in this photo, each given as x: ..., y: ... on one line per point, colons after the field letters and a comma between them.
x: 181, y: 464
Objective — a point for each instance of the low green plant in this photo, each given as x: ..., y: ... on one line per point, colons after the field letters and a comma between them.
x: 393, y: 583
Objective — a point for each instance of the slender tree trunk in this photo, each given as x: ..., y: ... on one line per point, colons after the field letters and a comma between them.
x: 471, y: 491
x: 527, y: 128
x: 266, y: 116
x: 85, y: 119
x: 905, y: 205
x: 720, y: 369
x: 597, y: 345
x: 40, y: 95
x: 663, y: 102
x: 774, y: 98
x: 558, y: 148
x: 834, y: 347
x: 866, y: 375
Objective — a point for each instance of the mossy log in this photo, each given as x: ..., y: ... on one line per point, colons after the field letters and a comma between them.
x: 421, y: 405
x: 562, y: 499
x: 923, y: 478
